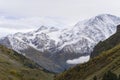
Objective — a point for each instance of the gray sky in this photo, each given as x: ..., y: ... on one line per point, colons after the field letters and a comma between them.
x: 71, y: 10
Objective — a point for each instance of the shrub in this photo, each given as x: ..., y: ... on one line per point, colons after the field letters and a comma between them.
x: 109, y: 76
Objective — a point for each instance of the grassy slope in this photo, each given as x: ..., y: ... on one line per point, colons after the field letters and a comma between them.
x: 108, y: 60
x: 14, y: 66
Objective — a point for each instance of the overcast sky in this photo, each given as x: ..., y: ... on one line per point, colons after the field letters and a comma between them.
x: 71, y: 10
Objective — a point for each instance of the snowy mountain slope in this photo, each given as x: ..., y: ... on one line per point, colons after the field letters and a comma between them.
x: 62, y: 45
x: 84, y: 35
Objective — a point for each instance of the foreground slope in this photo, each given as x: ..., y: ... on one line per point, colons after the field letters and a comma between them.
x: 106, y: 60
x: 14, y: 66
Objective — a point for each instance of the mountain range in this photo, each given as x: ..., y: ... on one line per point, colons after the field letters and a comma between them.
x: 59, y: 49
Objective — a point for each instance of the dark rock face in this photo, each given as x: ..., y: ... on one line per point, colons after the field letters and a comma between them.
x: 118, y: 28
x: 107, y: 44
x: 5, y: 41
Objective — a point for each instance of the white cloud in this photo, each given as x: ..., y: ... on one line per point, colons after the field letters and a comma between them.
x: 6, y: 31
x: 10, y: 26
x: 79, y: 60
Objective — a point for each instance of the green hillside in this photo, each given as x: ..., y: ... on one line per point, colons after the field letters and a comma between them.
x: 14, y: 66
x: 108, y: 60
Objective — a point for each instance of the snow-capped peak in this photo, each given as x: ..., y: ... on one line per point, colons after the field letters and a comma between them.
x: 42, y: 28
